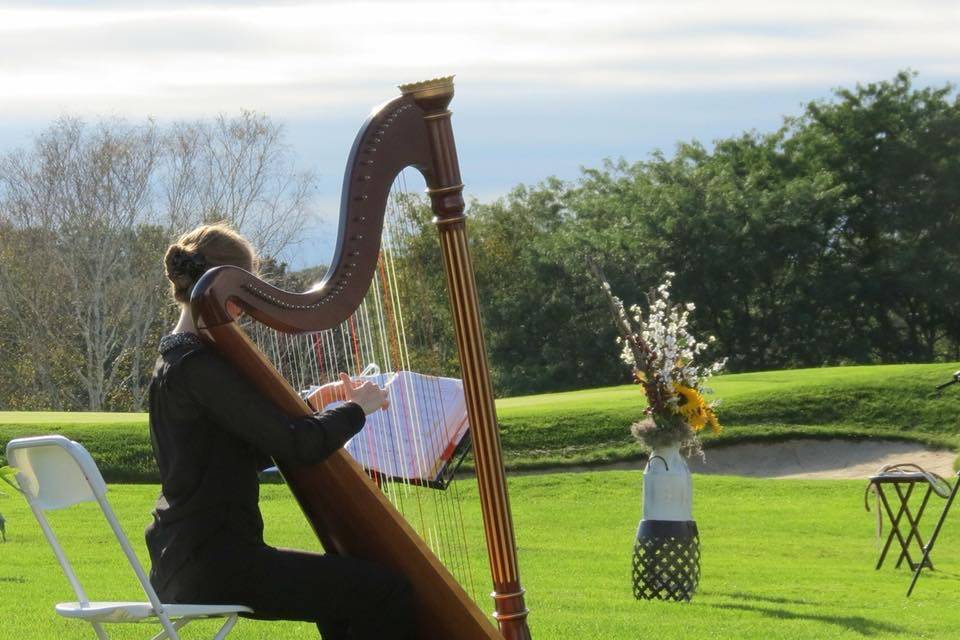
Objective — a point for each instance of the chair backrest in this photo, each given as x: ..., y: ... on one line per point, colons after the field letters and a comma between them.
x: 55, y: 472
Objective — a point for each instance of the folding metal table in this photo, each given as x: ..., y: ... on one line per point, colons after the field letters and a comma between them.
x: 896, y: 505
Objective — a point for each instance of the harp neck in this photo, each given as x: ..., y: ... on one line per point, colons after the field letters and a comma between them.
x: 394, y: 137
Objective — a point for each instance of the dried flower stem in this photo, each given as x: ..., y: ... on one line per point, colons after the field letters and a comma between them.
x: 642, y: 355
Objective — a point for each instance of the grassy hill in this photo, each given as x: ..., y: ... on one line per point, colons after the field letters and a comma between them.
x: 891, y: 401
x: 119, y: 442
x: 592, y: 426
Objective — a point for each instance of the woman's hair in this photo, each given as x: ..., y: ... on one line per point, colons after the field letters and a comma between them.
x: 207, y: 246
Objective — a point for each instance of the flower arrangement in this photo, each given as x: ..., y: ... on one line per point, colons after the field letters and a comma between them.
x: 664, y: 355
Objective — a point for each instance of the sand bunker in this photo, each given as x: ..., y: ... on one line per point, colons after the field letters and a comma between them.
x: 856, y: 459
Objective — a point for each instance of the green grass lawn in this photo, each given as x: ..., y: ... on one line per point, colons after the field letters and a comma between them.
x: 592, y: 426
x: 781, y: 559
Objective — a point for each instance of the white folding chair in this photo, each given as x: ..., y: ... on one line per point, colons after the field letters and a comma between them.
x: 53, y: 473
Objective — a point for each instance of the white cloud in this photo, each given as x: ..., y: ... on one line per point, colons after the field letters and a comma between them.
x: 175, y: 60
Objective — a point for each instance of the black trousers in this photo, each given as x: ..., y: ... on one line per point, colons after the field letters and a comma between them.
x: 347, y: 598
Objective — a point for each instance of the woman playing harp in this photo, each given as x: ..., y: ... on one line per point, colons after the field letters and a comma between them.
x: 350, y: 513
x: 212, y: 431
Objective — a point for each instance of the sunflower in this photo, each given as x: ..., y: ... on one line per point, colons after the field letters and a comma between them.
x: 695, y: 410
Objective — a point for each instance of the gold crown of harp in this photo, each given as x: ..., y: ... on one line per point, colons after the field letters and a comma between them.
x: 346, y: 509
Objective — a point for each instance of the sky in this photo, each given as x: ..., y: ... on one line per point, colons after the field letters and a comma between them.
x: 543, y: 88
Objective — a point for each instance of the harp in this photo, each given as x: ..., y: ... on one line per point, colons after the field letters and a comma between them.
x: 346, y: 509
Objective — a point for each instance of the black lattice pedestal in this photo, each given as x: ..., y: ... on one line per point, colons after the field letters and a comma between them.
x: 666, y: 560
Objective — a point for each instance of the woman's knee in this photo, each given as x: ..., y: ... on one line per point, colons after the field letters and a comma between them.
x: 397, y: 596
x: 394, y: 614
x: 403, y: 590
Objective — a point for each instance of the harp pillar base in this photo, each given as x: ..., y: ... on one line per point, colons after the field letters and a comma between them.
x: 511, y: 615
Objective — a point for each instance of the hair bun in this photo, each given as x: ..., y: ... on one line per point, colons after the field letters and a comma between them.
x: 181, y: 262
x: 207, y: 246
x: 184, y: 268
x: 172, y: 261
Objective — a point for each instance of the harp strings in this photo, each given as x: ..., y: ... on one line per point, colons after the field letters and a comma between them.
x: 379, y: 333
x: 449, y: 533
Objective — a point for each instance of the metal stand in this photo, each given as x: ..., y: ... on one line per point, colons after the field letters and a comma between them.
x: 666, y: 560
x: 898, y: 481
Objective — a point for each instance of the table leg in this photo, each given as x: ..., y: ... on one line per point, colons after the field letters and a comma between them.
x: 894, y: 522
x: 914, y: 522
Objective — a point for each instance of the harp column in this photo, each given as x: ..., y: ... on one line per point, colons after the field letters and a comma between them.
x: 446, y: 194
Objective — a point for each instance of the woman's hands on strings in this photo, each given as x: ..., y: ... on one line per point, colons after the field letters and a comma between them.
x: 365, y: 393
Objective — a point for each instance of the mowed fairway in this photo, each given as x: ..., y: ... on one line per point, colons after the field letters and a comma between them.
x: 781, y: 559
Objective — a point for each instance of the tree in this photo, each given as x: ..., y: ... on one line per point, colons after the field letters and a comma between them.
x: 896, y: 150
x: 240, y: 171
x: 86, y: 217
x: 831, y: 240
x: 543, y: 329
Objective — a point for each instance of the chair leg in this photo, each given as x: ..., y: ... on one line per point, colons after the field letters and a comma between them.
x: 170, y: 633
x: 99, y: 630
x: 226, y: 628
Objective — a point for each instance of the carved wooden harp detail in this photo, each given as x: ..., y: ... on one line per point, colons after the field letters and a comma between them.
x: 348, y: 512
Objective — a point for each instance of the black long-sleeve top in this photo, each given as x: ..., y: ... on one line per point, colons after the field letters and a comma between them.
x: 212, y: 431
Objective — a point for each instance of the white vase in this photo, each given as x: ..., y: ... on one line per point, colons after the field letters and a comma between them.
x: 667, y: 486
x: 666, y: 554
